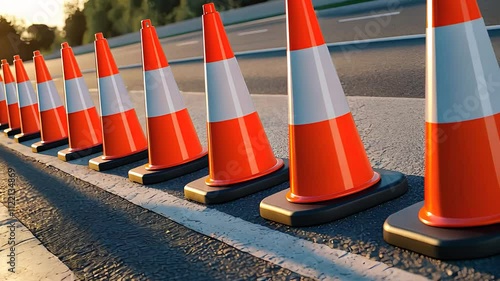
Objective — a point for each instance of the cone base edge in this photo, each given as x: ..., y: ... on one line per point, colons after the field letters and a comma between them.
x: 22, y: 137
x: 200, y: 192
x: 277, y: 208
x: 225, y: 183
x: 143, y: 176
x: 43, y: 146
x: 11, y: 132
x: 4, y: 126
x: 99, y: 164
x: 68, y: 154
x: 311, y: 199
x: 152, y: 168
x: 403, y: 229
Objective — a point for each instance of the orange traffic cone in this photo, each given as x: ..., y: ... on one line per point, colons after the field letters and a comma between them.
x: 54, y: 127
x: 460, y: 217
x: 174, y: 147
x: 4, y: 114
x: 328, y: 167
x: 84, y: 127
x: 123, y: 139
x: 28, y: 104
x: 241, y: 160
x: 12, y: 102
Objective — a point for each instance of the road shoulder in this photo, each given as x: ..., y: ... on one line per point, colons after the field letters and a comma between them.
x: 22, y: 255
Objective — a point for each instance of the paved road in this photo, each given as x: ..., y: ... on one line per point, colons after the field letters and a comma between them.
x: 382, y: 69
x: 72, y: 217
x: 347, y: 25
x: 393, y: 69
x: 378, y: 70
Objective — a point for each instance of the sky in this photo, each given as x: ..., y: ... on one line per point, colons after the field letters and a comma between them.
x: 49, y: 12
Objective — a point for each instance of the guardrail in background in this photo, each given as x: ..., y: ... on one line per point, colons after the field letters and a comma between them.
x: 245, y: 14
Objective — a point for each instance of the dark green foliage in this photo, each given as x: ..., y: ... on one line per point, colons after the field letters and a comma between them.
x: 39, y: 37
x: 75, y: 26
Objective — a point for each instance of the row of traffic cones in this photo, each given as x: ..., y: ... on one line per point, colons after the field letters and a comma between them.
x: 329, y: 172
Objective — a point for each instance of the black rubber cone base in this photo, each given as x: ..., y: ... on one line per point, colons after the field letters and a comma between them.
x: 40, y: 146
x: 66, y: 155
x: 405, y: 230
x: 26, y: 137
x: 143, y: 176
x: 277, y: 208
x: 11, y: 132
x: 4, y: 126
x: 100, y: 164
x: 200, y: 192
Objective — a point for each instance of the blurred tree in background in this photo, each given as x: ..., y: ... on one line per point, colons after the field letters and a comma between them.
x: 84, y: 18
x: 14, y: 41
x: 75, y: 23
x: 96, y: 15
x: 117, y: 17
x: 40, y: 36
x: 10, y: 40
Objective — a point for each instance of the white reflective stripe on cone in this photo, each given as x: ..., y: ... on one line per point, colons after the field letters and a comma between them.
x: 314, y: 87
x: 48, y: 98
x: 2, y: 92
x: 10, y: 93
x: 26, y: 94
x: 113, y: 96
x: 77, y: 95
x: 162, y: 94
x: 227, y: 94
x: 463, y: 79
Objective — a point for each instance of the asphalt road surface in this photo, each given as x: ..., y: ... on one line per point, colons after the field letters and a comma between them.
x: 393, y: 69
x: 97, y: 233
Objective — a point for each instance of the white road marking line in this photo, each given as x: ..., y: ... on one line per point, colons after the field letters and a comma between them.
x: 136, y: 91
x: 275, y: 18
x: 252, y: 32
x: 93, y: 90
x: 187, y: 43
x: 304, y: 257
x: 369, y: 17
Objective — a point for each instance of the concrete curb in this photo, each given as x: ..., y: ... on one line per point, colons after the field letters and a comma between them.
x: 32, y: 260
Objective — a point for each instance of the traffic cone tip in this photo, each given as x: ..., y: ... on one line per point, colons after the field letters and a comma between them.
x: 21, y: 74
x: 106, y: 65
x: 303, y: 28
x: 208, y: 8
x: 146, y: 23
x: 450, y: 12
x: 153, y: 57
x: 216, y: 44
